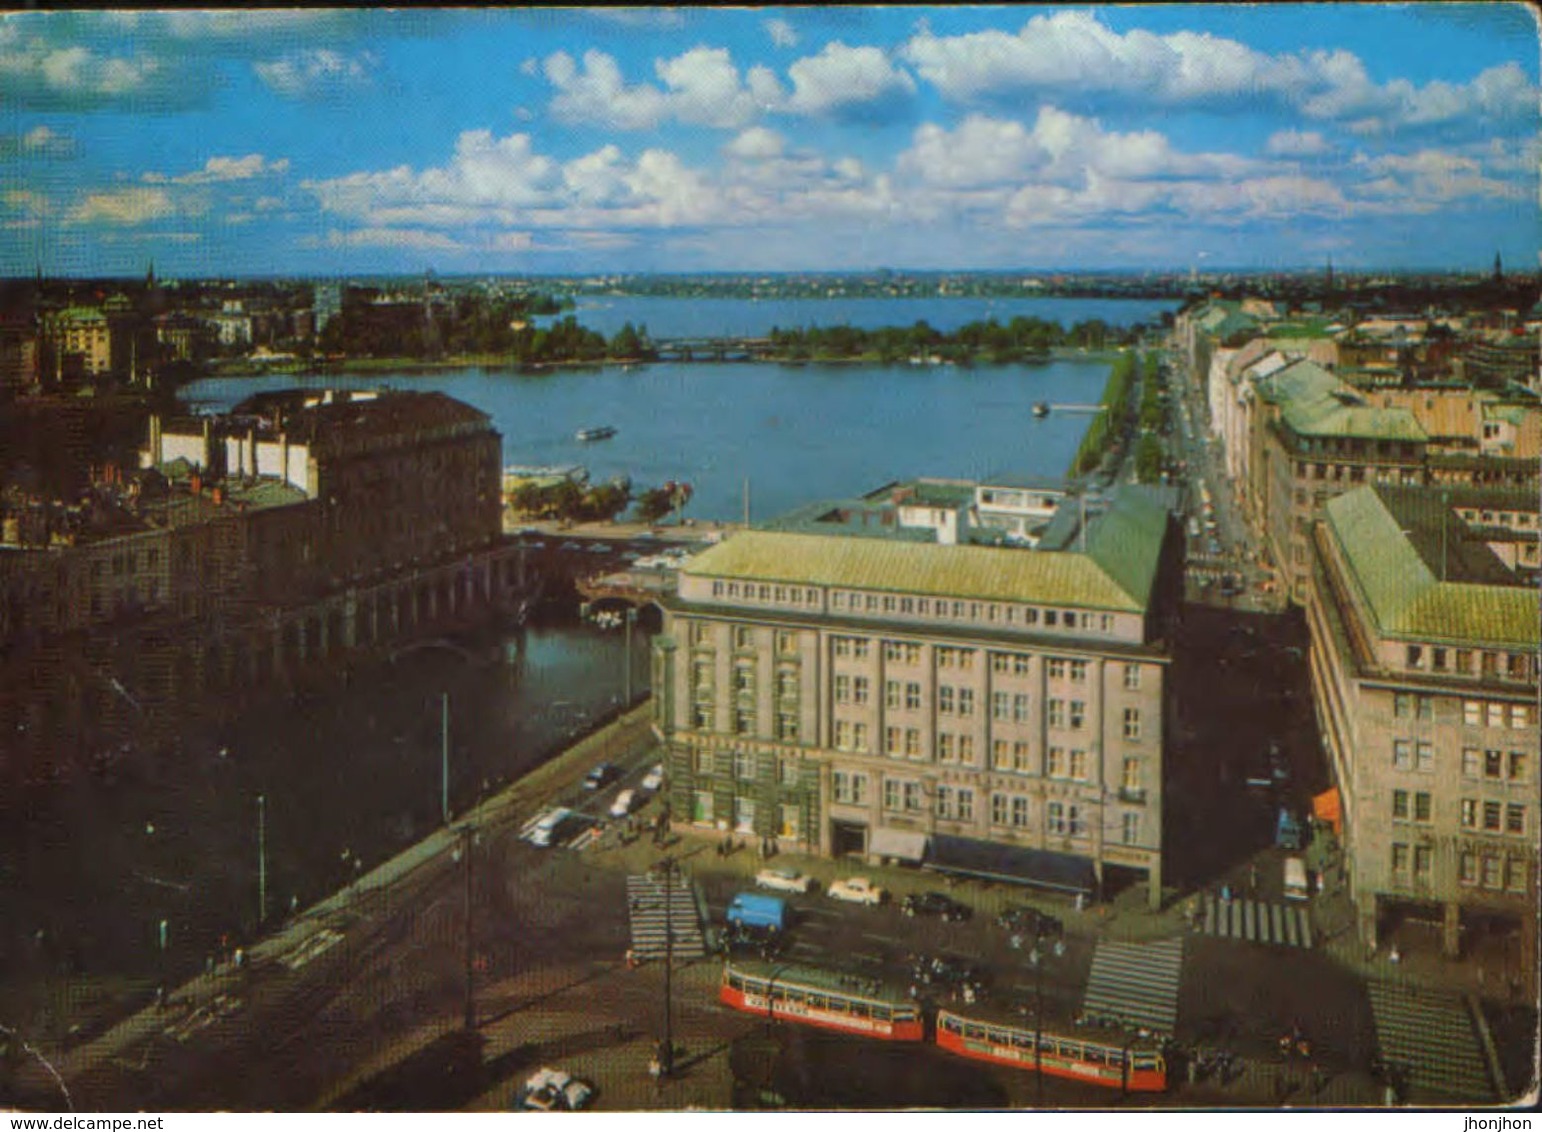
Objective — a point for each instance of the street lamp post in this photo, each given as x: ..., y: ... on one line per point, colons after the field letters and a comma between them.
x: 666, y: 1059
x: 262, y: 858
x: 1036, y: 960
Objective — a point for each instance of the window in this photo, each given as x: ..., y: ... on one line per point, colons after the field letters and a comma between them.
x: 892, y: 796
x: 1468, y: 868
x: 1399, y: 858
x: 1077, y: 765
x: 744, y: 637
x: 1019, y: 666
x: 966, y: 701
x: 1496, y: 715
x: 744, y: 678
x: 1402, y: 705
x: 787, y: 771
x: 1001, y: 705
x: 1132, y: 723
x: 1130, y: 779
x: 1019, y: 811
x: 965, y: 804
x: 1472, y: 713
x: 701, y: 717
x: 999, y: 809
x: 945, y: 658
x: 891, y: 741
x: 893, y: 651
x: 860, y: 647
x: 913, y: 797
x: 698, y: 633
x: 1415, y: 656
x: 744, y: 722
x: 1491, y: 817
x: 1515, y: 878
x: 1491, y: 872
x: 1078, y: 714
x: 859, y: 736
x: 1469, y: 813
x: 1055, y: 814
x: 786, y: 642
x: 1402, y: 754
x: 1056, y: 763
x: 1056, y: 713
x: 1078, y: 672
x: 702, y: 762
x: 1020, y: 757
x: 859, y: 689
x: 966, y: 749
x: 1129, y: 828
x: 1515, y: 818
x: 848, y: 788
x: 1464, y: 661
x: 787, y: 683
x: 787, y: 727
x: 913, y: 696
x: 1517, y: 766
x: 1422, y: 807
x: 1132, y: 676
x: 1493, y: 764
x: 1020, y: 707
x: 1001, y: 754
x: 1422, y: 856
x: 1520, y: 715
x: 945, y: 801
x: 1400, y: 804
x: 1472, y: 764
x: 841, y: 646
x: 912, y: 742
x: 744, y: 815
x: 945, y: 747
x: 944, y: 699
x: 1056, y: 668
x: 744, y: 765
x: 891, y: 694
x: 842, y: 689
x: 701, y: 675
x: 1424, y: 757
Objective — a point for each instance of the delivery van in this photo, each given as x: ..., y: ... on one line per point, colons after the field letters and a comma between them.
x: 751, y: 910
x: 1295, y: 879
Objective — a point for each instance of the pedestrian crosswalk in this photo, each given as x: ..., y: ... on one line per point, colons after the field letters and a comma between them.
x: 1260, y: 921
x: 653, y: 918
x: 1135, y: 984
x: 1428, y: 1037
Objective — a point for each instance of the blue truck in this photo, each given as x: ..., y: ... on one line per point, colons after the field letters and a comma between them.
x: 751, y: 910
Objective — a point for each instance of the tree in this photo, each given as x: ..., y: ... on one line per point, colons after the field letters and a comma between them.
x: 654, y: 504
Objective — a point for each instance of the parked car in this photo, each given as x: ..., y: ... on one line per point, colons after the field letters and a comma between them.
x: 856, y: 890
x: 602, y: 775
x: 751, y: 910
x: 784, y: 880
x: 654, y: 779
x: 1019, y: 919
x: 546, y: 831
x: 623, y: 803
x: 935, y: 904
x: 554, y: 1090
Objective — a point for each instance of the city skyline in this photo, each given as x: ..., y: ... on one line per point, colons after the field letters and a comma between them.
x: 653, y: 140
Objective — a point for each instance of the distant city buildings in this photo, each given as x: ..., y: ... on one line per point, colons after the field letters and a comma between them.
x: 893, y: 688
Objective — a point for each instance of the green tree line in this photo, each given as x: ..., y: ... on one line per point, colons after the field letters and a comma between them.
x: 1021, y: 339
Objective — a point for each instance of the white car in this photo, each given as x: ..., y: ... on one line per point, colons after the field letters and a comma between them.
x: 784, y: 880
x: 623, y: 803
x: 552, y: 1090
x: 545, y: 830
x: 856, y: 890
x: 654, y: 779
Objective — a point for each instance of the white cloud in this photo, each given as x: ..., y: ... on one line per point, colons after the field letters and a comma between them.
x: 756, y: 144
x: 40, y: 141
x: 842, y: 78
x: 125, y: 207
x: 35, y: 72
x: 782, y: 33
x: 1074, y: 52
x: 410, y: 239
x: 702, y: 87
x: 316, y: 72
x: 218, y: 169
x: 1297, y: 143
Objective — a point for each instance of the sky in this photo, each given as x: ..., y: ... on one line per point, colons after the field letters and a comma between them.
x: 608, y: 140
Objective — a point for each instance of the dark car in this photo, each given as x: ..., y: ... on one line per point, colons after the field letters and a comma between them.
x: 935, y: 904
x: 601, y: 776
x: 1019, y: 919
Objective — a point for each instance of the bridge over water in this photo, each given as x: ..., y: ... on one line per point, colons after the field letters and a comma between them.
x: 727, y: 349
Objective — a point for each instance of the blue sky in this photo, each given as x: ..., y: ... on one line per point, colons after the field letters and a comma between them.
x: 596, y: 140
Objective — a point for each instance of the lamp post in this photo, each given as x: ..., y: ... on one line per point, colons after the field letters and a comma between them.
x: 626, y: 669
x: 467, y: 836
x: 666, y: 1058
x: 1036, y: 960
x: 262, y: 859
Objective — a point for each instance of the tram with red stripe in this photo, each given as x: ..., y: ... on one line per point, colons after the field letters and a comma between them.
x: 1134, y: 1067
x: 855, y: 1004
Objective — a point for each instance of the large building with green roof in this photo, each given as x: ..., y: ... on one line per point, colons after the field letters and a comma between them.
x: 1424, y: 670
x: 869, y: 688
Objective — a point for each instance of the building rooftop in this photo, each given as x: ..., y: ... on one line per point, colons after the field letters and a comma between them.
x: 1424, y: 574
x: 1313, y: 402
x: 1116, y: 571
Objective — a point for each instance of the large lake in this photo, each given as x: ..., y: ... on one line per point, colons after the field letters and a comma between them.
x: 796, y: 433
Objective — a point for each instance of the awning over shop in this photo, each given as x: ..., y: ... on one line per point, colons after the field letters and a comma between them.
x: 1037, y: 868
x: 900, y: 844
x: 1327, y: 808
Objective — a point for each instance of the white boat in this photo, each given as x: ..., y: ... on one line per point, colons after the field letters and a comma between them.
x: 602, y: 432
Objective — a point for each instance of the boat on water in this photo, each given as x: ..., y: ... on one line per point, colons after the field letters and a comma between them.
x: 1041, y: 409
x: 602, y: 432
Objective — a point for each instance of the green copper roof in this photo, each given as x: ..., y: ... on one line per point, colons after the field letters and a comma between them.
x: 1115, y: 573
x: 1405, y: 593
x: 1315, y: 403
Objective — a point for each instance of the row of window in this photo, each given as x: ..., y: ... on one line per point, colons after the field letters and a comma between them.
x: 760, y: 591
x: 1483, y: 870
x: 1491, y: 817
x: 973, y: 611
x: 1494, y: 765
x: 1489, y: 664
x: 1475, y: 713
